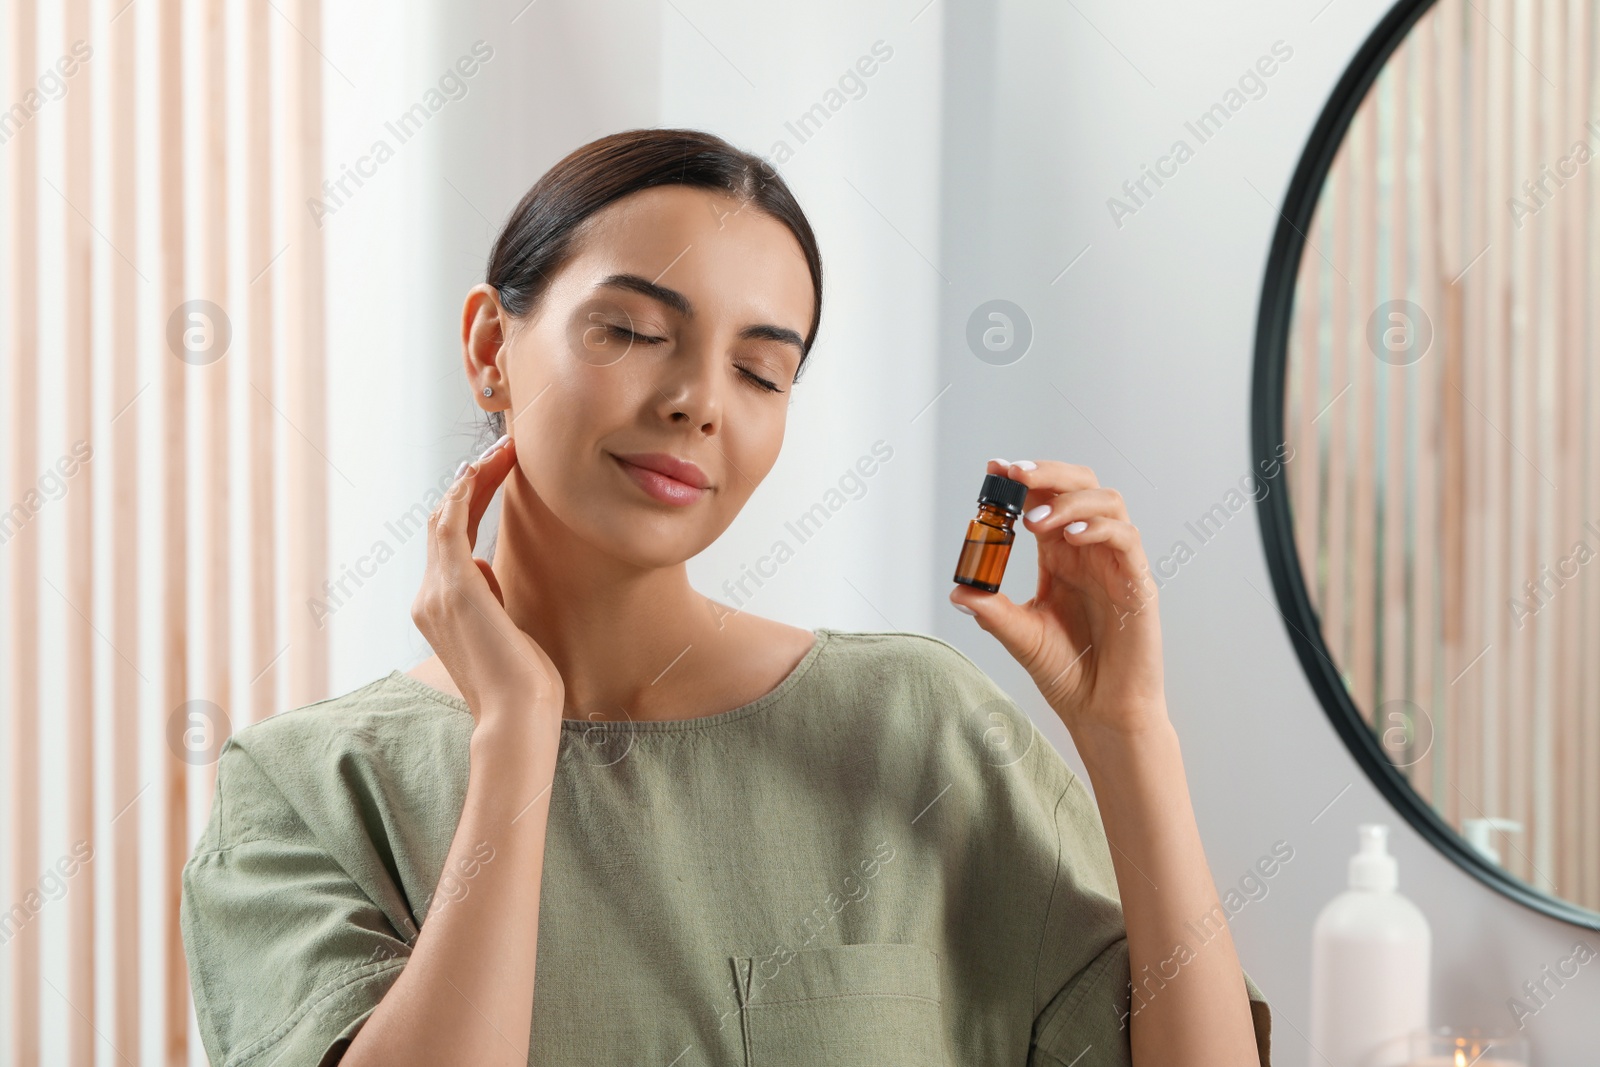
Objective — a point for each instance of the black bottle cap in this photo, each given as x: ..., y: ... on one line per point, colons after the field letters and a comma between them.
x: 1003, y: 492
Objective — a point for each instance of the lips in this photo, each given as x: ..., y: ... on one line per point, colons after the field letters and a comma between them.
x: 680, y: 470
x: 665, y: 478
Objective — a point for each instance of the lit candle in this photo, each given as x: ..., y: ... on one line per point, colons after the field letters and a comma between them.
x: 1448, y: 1047
x: 1460, y: 1058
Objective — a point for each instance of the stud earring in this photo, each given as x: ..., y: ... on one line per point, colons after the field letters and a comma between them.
x: 488, y: 391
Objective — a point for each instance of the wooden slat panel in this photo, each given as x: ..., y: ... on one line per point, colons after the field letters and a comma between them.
x: 1395, y: 617
x: 104, y: 245
x: 260, y: 255
x: 22, y: 542
x: 175, y: 549
x: 1429, y: 201
x: 1363, y: 504
x: 126, y: 409
x: 1560, y: 793
x: 1522, y: 365
x: 1493, y: 411
x: 219, y: 605
x: 1490, y: 446
x: 79, y: 377
x: 305, y: 403
x: 1338, y: 407
x: 1305, y: 465
x: 1455, y: 247
x: 1477, y: 661
x: 1587, y: 738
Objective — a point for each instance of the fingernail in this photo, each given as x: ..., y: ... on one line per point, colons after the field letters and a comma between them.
x: 963, y: 608
x: 464, y: 465
x: 1026, y: 464
x: 1037, y: 513
x: 1077, y: 527
x: 1002, y: 462
x: 491, y: 449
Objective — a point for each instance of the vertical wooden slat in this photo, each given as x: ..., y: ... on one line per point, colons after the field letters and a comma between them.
x: 1561, y: 796
x: 1395, y: 616
x: 122, y: 230
x: 175, y: 554
x: 305, y: 404
x: 1363, y: 510
x: 1574, y: 842
x: 1527, y: 290
x: 1513, y: 710
x: 1523, y: 362
x: 1338, y: 407
x: 1305, y: 463
x: 22, y: 541
x: 78, y: 306
x: 1588, y: 738
x: 259, y: 255
x: 1494, y: 402
x: 1478, y: 662
x: 1423, y: 633
x: 1457, y: 173
x: 219, y: 605
x: 1540, y: 430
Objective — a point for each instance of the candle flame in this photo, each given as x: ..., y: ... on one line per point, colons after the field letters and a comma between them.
x: 1461, y: 1058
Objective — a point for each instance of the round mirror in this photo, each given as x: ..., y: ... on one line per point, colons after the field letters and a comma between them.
x: 1427, y: 400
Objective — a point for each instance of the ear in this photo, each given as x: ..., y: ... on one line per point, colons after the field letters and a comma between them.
x: 483, y: 337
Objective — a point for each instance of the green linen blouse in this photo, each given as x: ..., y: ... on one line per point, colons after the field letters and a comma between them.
x: 879, y: 862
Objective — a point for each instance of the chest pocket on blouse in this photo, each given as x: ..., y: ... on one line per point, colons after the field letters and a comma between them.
x: 866, y: 1005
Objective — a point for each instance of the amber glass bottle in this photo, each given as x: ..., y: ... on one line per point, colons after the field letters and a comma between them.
x: 989, y: 536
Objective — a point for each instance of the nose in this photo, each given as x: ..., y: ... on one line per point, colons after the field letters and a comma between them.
x: 689, y: 389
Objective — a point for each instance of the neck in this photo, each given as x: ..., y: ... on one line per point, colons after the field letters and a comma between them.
x: 619, y: 633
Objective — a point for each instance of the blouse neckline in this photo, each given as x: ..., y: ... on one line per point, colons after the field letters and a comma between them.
x: 700, y: 722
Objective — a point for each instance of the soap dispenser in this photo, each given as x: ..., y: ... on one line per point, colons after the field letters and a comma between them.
x: 1370, y: 963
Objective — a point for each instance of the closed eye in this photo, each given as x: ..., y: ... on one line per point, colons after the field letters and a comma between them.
x: 629, y: 336
x: 760, y: 382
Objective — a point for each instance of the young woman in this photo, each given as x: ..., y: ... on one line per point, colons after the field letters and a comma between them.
x: 714, y: 838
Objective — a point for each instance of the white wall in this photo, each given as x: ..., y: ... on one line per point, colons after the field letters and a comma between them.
x: 976, y: 165
x: 403, y: 251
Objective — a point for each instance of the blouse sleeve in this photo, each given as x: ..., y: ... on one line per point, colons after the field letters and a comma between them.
x: 287, y: 955
x: 1084, y: 1020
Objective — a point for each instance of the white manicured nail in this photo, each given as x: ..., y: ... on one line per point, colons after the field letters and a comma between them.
x: 1002, y: 462
x: 1037, y: 513
x: 963, y: 607
x: 1077, y: 527
x: 459, y: 469
x: 1026, y: 464
x: 491, y: 449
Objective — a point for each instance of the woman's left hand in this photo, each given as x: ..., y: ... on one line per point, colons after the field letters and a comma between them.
x: 1089, y: 637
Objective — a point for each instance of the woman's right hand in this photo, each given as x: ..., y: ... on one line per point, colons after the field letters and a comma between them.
x: 460, y: 609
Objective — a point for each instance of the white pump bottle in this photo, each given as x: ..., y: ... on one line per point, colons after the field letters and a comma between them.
x: 1370, y: 964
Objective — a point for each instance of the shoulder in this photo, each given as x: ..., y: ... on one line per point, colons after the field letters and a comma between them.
x: 389, y: 705
x: 391, y: 718
x: 906, y: 658
x: 922, y: 693
x: 321, y: 765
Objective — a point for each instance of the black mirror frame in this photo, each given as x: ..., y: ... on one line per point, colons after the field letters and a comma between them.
x: 1267, y: 431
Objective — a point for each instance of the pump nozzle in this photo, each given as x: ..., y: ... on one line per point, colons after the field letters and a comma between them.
x: 1478, y: 831
x: 1372, y: 868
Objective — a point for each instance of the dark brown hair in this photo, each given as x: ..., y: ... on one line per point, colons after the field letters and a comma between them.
x: 538, y: 238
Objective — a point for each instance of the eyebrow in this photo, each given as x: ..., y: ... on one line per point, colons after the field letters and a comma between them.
x: 678, y: 302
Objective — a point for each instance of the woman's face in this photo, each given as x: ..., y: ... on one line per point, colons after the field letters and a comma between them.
x: 675, y: 331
